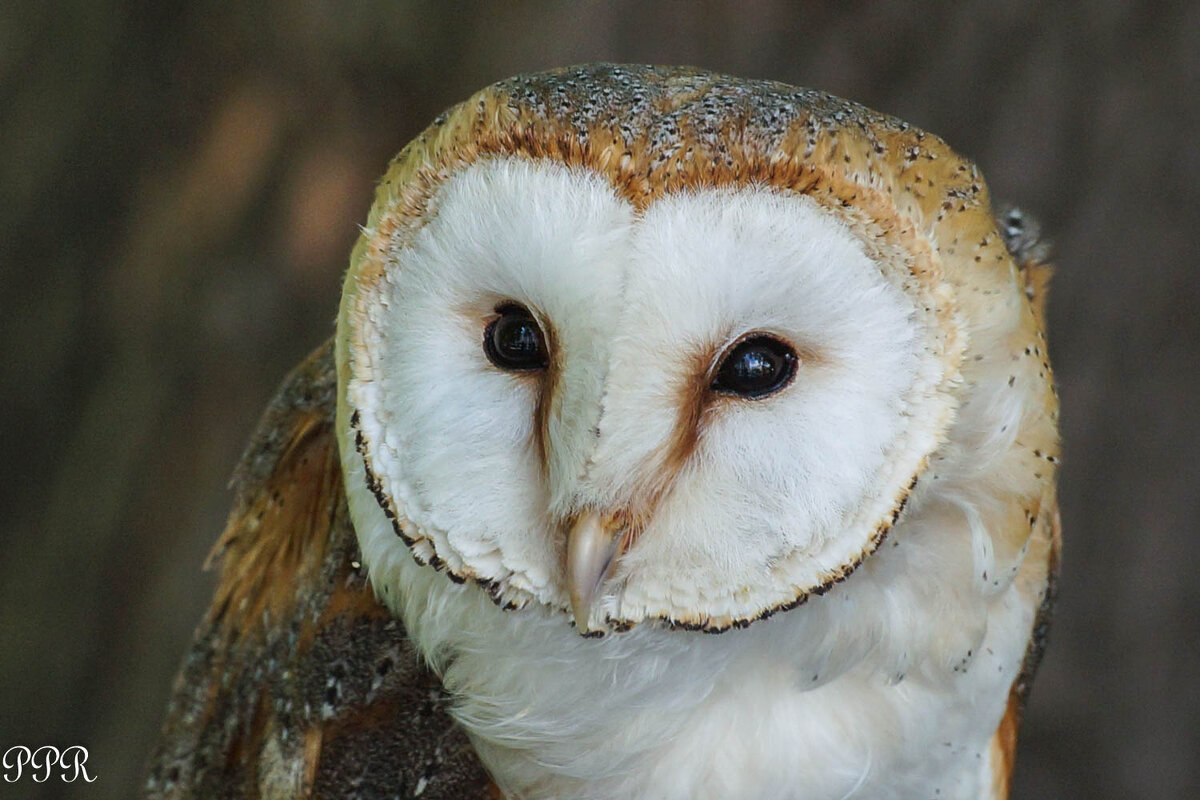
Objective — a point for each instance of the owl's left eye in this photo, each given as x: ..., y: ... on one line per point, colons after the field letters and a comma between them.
x: 514, y: 341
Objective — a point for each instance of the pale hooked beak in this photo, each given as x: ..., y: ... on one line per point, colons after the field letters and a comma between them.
x: 592, y: 546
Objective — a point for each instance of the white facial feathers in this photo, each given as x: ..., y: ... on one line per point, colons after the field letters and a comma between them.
x: 741, y: 506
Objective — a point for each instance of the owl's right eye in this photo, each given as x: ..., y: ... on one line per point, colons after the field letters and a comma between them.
x: 514, y: 341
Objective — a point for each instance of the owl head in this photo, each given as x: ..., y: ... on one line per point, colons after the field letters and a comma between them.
x: 656, y: 346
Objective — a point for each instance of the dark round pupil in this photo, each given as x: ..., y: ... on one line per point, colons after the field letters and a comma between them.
x: 756, y: 367
x: 514, y: 341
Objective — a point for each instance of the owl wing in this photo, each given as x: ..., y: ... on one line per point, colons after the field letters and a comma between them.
x: 1004, y: 742
x: 1022, y: 236
x: 299, y: 684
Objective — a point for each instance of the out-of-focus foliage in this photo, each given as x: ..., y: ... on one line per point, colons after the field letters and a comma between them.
x: 180, y: 184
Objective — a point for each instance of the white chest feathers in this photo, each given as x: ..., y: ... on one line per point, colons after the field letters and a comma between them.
x: 888, y: 686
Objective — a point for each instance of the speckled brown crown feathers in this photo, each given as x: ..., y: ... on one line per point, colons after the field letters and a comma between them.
x: 652, y: 130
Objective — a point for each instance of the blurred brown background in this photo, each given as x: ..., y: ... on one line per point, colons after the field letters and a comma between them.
x: 180, y: 183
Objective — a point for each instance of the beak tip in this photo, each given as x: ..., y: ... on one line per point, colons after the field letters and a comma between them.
x: 581, y: 609
x: 591, y: 546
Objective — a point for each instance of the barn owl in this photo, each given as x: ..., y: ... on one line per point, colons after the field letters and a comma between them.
x: 682, y: 436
